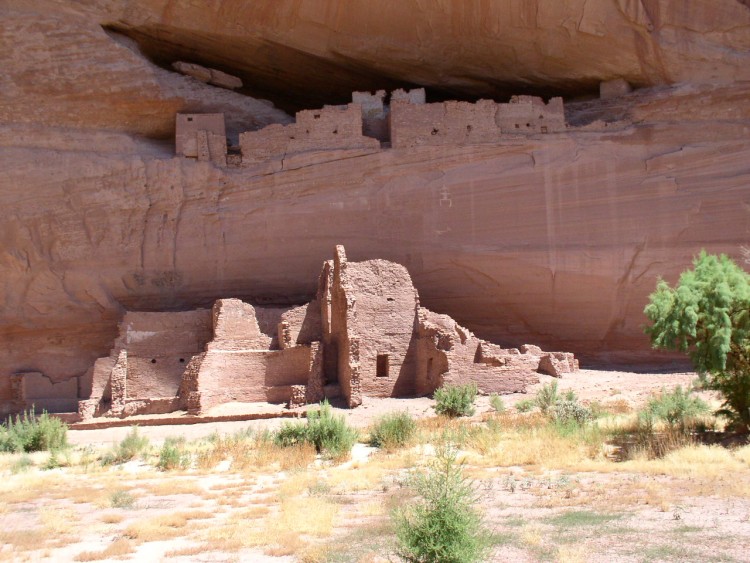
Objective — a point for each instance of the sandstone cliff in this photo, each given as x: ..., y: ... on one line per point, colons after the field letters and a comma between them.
x: 556, y: 241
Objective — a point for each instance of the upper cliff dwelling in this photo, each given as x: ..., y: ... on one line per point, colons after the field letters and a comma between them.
x: 368, y: 124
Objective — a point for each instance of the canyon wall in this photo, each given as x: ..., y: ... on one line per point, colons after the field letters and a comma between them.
x: 555, y: 239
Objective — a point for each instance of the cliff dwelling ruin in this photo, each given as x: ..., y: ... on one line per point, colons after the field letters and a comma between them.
x: 369, y: 124
x: 364, y: 335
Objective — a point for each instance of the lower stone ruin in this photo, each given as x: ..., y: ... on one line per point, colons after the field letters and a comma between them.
x: 364, y: 335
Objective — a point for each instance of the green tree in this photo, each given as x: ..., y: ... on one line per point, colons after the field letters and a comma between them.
x: 707, y: 315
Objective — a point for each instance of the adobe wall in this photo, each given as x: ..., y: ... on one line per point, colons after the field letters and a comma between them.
x: 463, y: 123
x: 235, y: 327
x: 159, y: 346
x: 251, y: 376
x: 202, y: 136
x: 384, y: 304
x: 329, y: 128
x: 340, y: 340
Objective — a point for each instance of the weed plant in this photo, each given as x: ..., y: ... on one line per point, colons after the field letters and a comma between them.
x: 678, y: 408
x: 31, y: 433
x: 173, y: 455
x: 525, y: 405
x: 456, y: 400
x: 497, y: 403
x: 393, y: 430
x: 443, y: 525
x: 131, y: 446
x: 330, y: 434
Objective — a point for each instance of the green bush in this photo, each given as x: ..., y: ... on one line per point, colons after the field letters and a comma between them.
x: 442, y: 526
x: 677, y: 408
x: 132, y: 445
x: 707, y: 315
x: 547, y: 397
x: 497, y: 403
x: 173, y: 455
x: 525, y: 405
x: 291, y: 434
x: 456, y: 400
x: 330, y: 434
x: 31, y: 433
x: 568, y: 411
x: 393, y: 430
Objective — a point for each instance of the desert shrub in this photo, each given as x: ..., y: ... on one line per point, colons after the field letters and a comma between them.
x: 173, y: 455
x: 547, y: 397
x: 525, y: 405
x: 121, y: 499
x: 31, y: 433
x: 132, y: 445
x: 456, y: 400
x: 566, y: 411
x: 393, y: 430
x: 497, y: 403
x: 678, y: 408
x: 707, y: 315
x: 443, y: 525
x: 291, y: 434
x: 330, y: 434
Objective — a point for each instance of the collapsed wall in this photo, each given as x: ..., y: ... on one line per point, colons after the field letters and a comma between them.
x: 364, y: 336
x: 330, y: 128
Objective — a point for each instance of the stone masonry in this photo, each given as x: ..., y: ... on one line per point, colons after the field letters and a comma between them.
x: 365, y: 335
x: 368, y: 124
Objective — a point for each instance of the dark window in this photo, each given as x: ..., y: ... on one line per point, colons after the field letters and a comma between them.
x: 434, y: 131
x: 382, y: 365
x: 153, y: 361
x: 190, y: 118
x: 182, y: 360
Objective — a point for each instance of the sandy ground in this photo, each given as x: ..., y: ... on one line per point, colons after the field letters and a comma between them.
x: 589, y: 385
x: 683, y: 509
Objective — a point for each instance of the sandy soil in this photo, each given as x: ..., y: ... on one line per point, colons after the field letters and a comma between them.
x: 589, y: 385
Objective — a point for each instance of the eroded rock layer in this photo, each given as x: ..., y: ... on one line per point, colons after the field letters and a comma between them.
x: 554, y: 239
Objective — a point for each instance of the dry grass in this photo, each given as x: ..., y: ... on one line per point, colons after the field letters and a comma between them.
x: 312, y: 516
x: 117, y: 549
x: 57, y: 521
x: 171, y: 485
x: 112, y: 518
x: 24, y: 540
x: 190, y: 551
x: 164, y: 527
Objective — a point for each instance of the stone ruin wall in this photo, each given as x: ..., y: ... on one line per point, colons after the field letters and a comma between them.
x: 463, y: 123
x: 201, y: 136
x: 365, y: 335
x: 330, y: 128
x: 383, y: 323
x: 407, y: 121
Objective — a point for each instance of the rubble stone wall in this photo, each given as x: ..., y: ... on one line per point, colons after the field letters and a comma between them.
x: 463, y: 123
x: 329, y: 128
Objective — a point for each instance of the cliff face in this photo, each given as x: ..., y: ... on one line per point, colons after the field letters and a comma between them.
x: 555, y: 240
